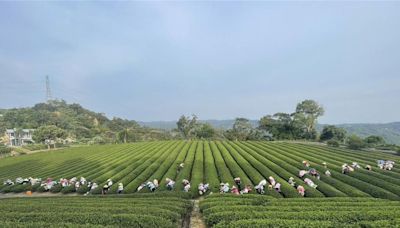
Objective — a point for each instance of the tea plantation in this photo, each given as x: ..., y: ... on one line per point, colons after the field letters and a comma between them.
x: 363, y: 198
x: 263, y: 211
x: 212, y: 162
x: 139, y: 210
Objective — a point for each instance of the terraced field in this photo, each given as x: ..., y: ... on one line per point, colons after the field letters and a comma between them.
x: 212, y: 162
x: 263, y: 211
x: 140, y: 210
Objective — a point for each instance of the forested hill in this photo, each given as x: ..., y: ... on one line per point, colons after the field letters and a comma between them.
x: 389, y: 131
x: 78, y: 122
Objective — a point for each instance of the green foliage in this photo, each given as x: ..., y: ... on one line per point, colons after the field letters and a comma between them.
x: 356, y: 143
x: 21, y: 188
x: 80, y: 124
x: 187, y: 126
x: 367, y: 182
x: 45, y: 134
x: 210, y: 170
x: 212, y: 162
x: 128, y: 211
x: 306, y: 115
x: 58, y: 188
x: 374, y: 140
x: 68, y: 189
x: 253, y: 211
x: 205, y: 131
x: 197, y: 175
x: 280, y: 125
x: 331, y: 132
x: 33, y: 147
x: 243, y: 130
x: 333, y: 143
x: 4, y: 150
x: 297, y: 125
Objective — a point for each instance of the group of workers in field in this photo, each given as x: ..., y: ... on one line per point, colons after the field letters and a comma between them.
x: 49, y: 183
x: 237, y: 189
x: 382, y: 164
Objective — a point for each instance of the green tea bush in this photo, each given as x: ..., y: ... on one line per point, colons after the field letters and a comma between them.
x: 230, y: 211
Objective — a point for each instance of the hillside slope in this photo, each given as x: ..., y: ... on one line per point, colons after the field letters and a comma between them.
x: 78, y: 122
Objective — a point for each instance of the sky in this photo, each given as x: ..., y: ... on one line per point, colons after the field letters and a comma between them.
x: 151, y: 61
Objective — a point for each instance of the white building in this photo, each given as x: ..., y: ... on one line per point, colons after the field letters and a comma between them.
x: 19, y: 137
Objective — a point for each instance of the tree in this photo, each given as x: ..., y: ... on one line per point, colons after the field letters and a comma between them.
x: 186, y: 126
x: 374, y: 140
x: 280, y: 126
x: 306, y: 115
x: 332, y: 132
x: 49, y: 134
x: 205, y: 131
x: 356, y: 143
x: 258, y: 134
x: 128, y: 135
x: 333, y: 143
x: 241, y: 129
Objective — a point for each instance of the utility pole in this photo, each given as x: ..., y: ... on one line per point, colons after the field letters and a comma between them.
x: 48, y: 91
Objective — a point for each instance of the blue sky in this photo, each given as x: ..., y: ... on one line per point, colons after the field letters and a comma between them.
x: 219, y: 60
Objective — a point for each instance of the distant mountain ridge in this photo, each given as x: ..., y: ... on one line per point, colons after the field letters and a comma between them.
x: 389, y: 131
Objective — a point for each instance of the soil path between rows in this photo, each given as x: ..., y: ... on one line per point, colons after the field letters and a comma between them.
x: 196, y: 218
x: 35, y: 194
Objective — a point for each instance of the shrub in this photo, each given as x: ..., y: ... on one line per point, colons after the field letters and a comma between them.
x: 210, y: 170
x: 41, y: 189
x: 21, y: 188
x: 198, y: 168
x: 83, y: 189
x: 333, y: 143
x: 35, y: 187
x: 68, y: 189
x: 138, y: 210
x: 223, y: 171
x: 33, y: 147
x: 363, y: 182
x: 56, y: 188
x: 4, y: 150
x: 241, y: 211
x: 281, y: 170
x: 355, y: 143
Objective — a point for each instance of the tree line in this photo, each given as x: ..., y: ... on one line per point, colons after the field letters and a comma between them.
x: 59, y: 122
x: 299, y: 125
